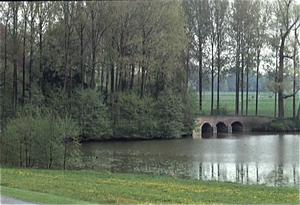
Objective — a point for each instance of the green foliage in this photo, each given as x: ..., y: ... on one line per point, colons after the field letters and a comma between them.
x: 169, y: 112
x: 282, y: 125
x: 91, y: 114
x: 136, y: 117
x: 33, y: 139
x: 170, y: 116
x: 222, y: 111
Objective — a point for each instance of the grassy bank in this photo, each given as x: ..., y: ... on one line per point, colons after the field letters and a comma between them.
x: 103, y: 187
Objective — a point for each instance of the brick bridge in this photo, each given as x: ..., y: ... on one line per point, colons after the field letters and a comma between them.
x: 228, y: 123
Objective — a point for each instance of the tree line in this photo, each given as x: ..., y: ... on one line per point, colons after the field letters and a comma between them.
x: 242, y: 37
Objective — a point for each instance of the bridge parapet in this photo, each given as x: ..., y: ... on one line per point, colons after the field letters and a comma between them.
x: 228, y: 123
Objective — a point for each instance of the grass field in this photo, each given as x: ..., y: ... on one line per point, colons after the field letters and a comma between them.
x: 70, y: 187
x: 266, y: 103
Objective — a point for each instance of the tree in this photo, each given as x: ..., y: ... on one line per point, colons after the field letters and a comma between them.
x: 295, y: 65
x: 199, y: 13
x: 32, y: 14
x: 221, y: 12
x: 287, y: 22
x: 100, y: 22
x: 213, y: 34
x: 24, y: 13
x: 237, y: 28
x: 80, y: 28
x: 15, y: 42
x: 4, y: 29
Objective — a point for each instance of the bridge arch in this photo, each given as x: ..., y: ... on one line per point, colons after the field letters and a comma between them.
x: 206, y: 127
x: 237, y: 126
x: 221, y: 127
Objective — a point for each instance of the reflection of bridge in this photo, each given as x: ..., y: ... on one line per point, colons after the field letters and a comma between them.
x: 228, y: 123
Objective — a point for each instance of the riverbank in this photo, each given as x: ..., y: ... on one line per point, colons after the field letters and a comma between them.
x: 106, y: 188
x: 282, y: 125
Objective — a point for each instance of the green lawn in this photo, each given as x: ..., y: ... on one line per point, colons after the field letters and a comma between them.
x: 266, y: 103
x: 107, y: 188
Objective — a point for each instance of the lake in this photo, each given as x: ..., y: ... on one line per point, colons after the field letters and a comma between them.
x: 248, y: 158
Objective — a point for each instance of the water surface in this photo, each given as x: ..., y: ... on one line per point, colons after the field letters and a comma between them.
x: 271, y: 159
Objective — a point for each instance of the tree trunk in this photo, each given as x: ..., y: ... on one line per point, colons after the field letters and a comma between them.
x: 24, y: 41
x: 200, y: 74
x: 276, y: 81
x: 5, y: 69
x: 280, y: 80
x: 143, y: 67
x: 92, y: 82
x: 31, y: 48
x: 247, y: 82
x: 41, y: 54
x: 237, y: 83
x: 212, y: 79
x: 143, y: 82
x: 242, y: 84
x: 294, y: 76
x: 102, y: 77
x: 132, y: 76
x: 219, y: 70
x: 187, y: 68
x: 112, y: 77
x: 94, y: 46
x: 298, y: 114
x: 106, y: 83
x: 15, y: 49
x: 81, y: 55
x: 257, y: 76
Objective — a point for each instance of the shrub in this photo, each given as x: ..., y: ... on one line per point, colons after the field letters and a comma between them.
x: 282, y: 125
x: 42, y: 141
x: 169, y: 113
x: 135, y: 119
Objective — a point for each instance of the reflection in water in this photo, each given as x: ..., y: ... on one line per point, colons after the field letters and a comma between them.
x: 248, y: 173
x: 251, y: 159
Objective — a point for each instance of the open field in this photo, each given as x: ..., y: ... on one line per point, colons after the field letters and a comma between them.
x: 266, y: 103
x: 107, y: 188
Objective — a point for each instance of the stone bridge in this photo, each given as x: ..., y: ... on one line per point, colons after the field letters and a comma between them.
x: 228, y: 123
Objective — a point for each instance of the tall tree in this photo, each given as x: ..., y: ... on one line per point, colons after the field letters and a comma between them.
x: 296, y: 67
x: 100, y: 22
x: 237, y: 28
x: 24, y: 13
x: 45, y: 14
x: 287, y: 22
x: 80, y: 28
x: 15, y: 8
x: 199, y: 12
x: 32, y: 17
x: 221, y: 13
x: 212, y: 38
x: 6, y: 18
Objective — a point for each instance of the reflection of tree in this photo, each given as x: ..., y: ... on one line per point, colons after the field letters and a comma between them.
x: 277, y: 176
x: 294, y: 175
x: 257, y: 179
x: 280, y: 176
x: 241, y: 171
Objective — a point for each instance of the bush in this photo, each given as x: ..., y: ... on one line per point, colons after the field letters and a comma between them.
x: 135, y: 117
x: 91, y: 114
x: 43, y: 141
x: 169, y: 114
x: 282, y: 125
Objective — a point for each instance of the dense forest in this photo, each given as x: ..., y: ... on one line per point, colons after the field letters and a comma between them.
x: 96, y: 70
